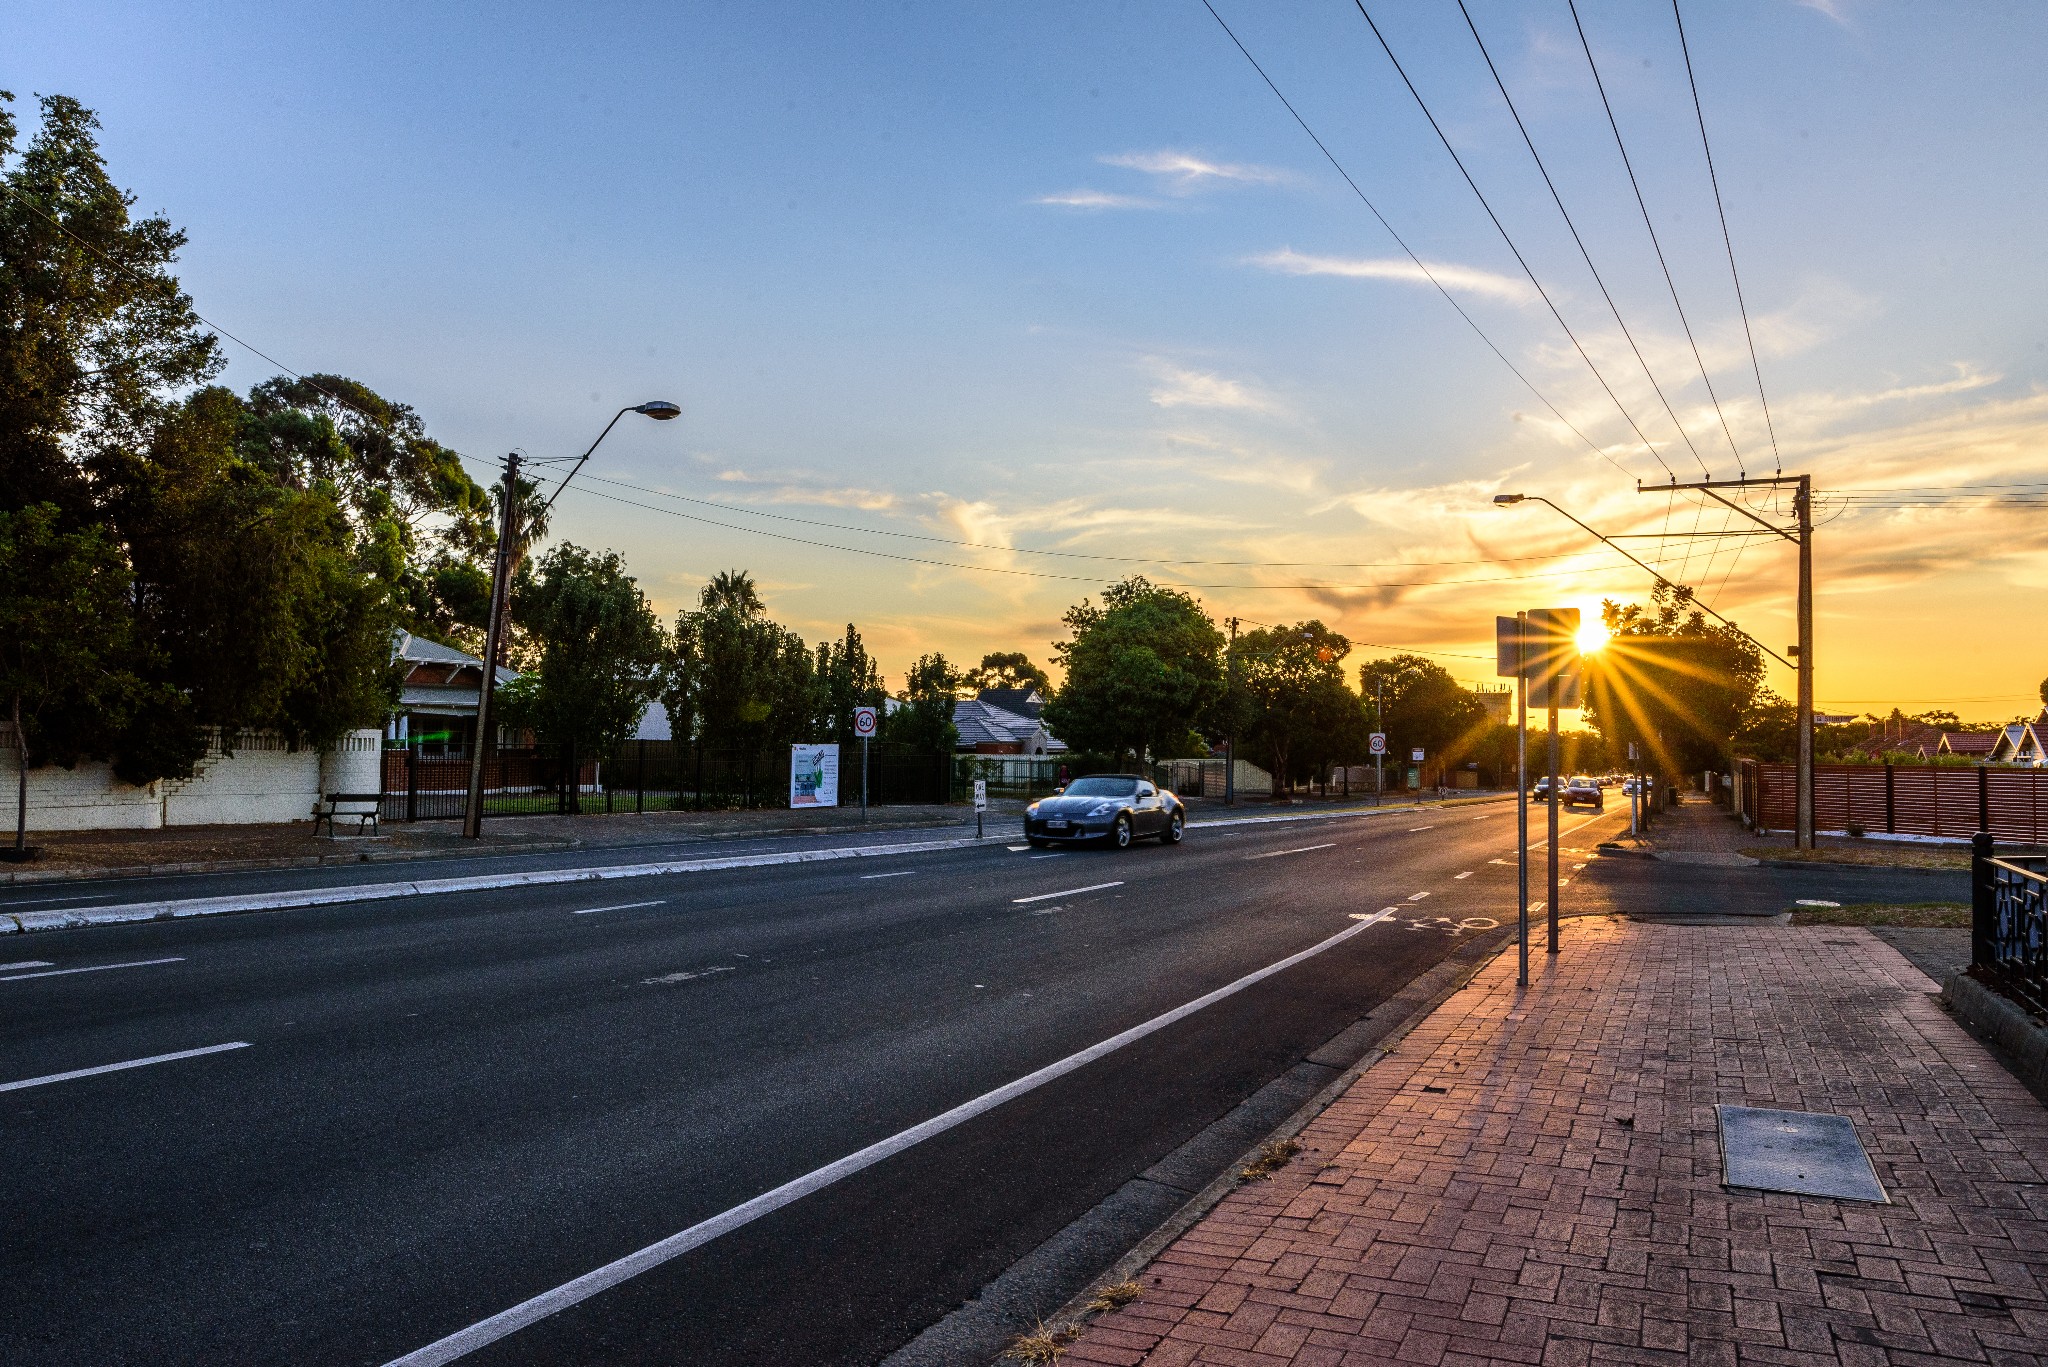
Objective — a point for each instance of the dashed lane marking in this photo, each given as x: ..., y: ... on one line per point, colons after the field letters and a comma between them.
x: 686, y: 977
x: 25, y: 963
x: 96, y: 968
x: 620, y: 906
x: 1417, y: 896
x: 1466, y: 874
x: 900, y: 873
x: 1275, y: 854
x: 1413, y: 829
x: 119, y: 1067
x: 1068, y: 892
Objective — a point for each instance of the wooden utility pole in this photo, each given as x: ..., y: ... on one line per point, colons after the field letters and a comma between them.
x: 473, y: 809
x: 1230, y: 741
x: 1802, y: 654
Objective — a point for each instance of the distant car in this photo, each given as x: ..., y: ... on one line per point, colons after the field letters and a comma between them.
x: 1541, y: 792
x: 1581, y: 789
x: 1118, y: 808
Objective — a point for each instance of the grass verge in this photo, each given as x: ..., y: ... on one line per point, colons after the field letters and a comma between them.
x: 1041, y: 1347
x: 1877, y: 855
x: 1912, y: 915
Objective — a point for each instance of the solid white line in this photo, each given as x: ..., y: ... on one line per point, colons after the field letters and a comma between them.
x: 1048, y: 896
x: 96, y: 968
x: 38, y: 901
x: 1275, y: 854
x: 117, y: 1067
x: 25, y: 963
x: 489, y: 1331
x: 622, y: 906
x: 900, y: 873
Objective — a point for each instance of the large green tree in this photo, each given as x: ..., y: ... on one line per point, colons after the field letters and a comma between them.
x: 1007, y: 669
x: 1301, y: 715
x: 925, y: 721
x: 1672, y: 683
x: 849, y: 678
x: 734, y: 677
x: 596, y: 650
x: 1141, y: 671
x: 1423, y: 707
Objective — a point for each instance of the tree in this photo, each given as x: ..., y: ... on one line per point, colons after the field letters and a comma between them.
x: 64, y: 641
x: 1424, y: 707
x: 1293, y: 678
x: 1141, y: 670
x: 597, y: 650
x: 1768, y: 730
x: 1670, y: 682
x: 1007, y: 669
x: 925, y: 721
x: 850, y: 678
x: 734, y: 678
x: 96, y: 330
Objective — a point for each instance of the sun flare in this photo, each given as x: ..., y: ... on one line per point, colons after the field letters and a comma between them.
x: 1592, y: 635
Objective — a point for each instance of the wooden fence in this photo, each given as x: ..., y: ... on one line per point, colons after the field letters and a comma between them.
x: 1902, y: 799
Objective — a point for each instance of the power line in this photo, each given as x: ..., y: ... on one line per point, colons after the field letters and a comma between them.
x: 1727, y: 241
x: 1505, y: 237
x: 1065, y: 578
x: 1078, y: 555
x: 1558, y: 200
x: 1410, y: 252
x: 1664, y: 265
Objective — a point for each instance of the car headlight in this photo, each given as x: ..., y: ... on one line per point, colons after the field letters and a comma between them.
x: 1032, y: 810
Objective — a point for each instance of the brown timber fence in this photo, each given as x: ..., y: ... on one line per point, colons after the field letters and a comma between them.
x: 1902, y: 799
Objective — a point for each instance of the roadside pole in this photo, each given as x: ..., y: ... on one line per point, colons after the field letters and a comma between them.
x: 473, y: 808
x: 1521, y: 804
x: 1230, y: 741
x: 1379, y: 759
x: 864, y: 722
x: 1552, y: 803
x: 980, y: 804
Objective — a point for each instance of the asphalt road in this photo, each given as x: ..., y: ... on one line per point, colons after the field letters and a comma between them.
x: 449, y: 1105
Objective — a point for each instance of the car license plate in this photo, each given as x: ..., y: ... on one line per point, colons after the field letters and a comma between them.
x: 1056, y: 824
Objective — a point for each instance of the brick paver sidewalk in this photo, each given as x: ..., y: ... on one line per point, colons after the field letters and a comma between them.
x: 1536, y: 1178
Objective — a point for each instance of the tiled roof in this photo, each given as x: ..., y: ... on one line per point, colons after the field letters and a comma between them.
x: 1025, y: 702
x: 1969, y: 742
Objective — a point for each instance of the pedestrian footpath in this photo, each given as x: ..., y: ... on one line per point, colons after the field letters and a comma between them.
x: 1534, y: 1176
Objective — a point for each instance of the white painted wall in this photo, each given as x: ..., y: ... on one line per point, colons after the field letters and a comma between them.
x: 263, y: 782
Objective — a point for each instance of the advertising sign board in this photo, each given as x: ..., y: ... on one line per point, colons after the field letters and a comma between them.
x: 814, y: 775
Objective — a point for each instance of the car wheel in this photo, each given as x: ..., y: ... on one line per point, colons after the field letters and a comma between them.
x: 1120, y: 834
x: 1176, y: 829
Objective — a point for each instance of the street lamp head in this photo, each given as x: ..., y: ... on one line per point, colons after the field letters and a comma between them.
x: 1505, y: 499
x: 661, y: 410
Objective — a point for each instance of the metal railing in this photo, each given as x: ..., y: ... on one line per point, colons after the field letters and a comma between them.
x: 2009, y: 923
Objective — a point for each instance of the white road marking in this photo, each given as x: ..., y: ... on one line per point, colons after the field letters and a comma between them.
x: 1417, y: 896
x: 488, y: 1331
x: 96, y: 968
x: 42, y: 901
x: 900, y: 873
x: 118, y: 1067
x: 1275, y: 854
x: 1483, y: 815
x: 1466, y: 874
x: 25, y: 963
x: 620, y: 906
x: 1500, y: 861
x: 1069, y: 892
x: 1049, y: 856
x: 686, y: 977
x: 1815, y: 902
x: 1016, y: 849
x: 1413, y: 829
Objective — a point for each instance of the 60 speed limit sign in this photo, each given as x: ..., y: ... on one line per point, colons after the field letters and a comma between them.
x: 863, y: 721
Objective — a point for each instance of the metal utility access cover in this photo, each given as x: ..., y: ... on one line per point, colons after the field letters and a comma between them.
x: 1795, y: 1151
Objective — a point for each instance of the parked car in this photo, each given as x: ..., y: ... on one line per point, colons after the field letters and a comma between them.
x: 1581, y: 789
x: 1119, y: 808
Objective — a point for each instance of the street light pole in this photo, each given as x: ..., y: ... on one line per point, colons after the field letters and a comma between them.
x: 473, y: 808
x: 661, y: 410
x: 1230, y: 741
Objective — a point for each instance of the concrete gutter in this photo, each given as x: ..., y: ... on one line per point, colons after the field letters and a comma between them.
x: 12, y: 923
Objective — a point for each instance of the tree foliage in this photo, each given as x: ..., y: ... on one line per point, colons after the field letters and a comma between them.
x: 1141, y: 671
x: 1424, y: 706
x: 1300, y: 716
x: 596, y: 649
x: 734, y: 678
x: 1671, y: 682
x: 1007, y: 669
x: 849, y: 678
x: 925, y: 721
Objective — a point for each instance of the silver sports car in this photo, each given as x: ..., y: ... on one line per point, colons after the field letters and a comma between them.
x: 1118, y: 808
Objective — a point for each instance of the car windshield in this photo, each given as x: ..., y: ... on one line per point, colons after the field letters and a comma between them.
x: 1580, y: 781
x: 1102, y: 787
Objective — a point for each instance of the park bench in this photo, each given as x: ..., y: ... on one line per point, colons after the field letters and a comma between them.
x: 362, y: 808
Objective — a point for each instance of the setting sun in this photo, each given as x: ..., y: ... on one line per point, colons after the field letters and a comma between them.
x: 1592, y: 635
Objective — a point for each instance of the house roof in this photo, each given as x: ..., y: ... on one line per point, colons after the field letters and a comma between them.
x: 421, y: 651
x: 983, y: 723
x: 1025, y: 702
x: 1969, y: 742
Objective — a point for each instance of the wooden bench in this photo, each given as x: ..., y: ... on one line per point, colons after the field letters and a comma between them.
x: 362, y: 808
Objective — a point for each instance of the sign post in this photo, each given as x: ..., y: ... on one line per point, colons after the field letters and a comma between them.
x: 1379, y: 759
x: 1550, y: 654
x: 1507, y: 653
x: 980, y: 804
x: 864, y: 727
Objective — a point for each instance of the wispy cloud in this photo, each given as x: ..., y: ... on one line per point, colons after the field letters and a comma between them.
x: 1468, y: 279
x: 797, y: 489
x: 1179, y: 387
x: 1831, y: 8
x: 1096, y: 199
x: 1186, y: 171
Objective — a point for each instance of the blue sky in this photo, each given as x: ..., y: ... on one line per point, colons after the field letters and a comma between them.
x: 1068, y: 277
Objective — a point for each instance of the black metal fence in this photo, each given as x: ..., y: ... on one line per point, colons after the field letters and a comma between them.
x: 647, y: 776
x: 2009, y: 923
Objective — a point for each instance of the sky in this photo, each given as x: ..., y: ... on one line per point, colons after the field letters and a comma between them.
x: 973, y: 309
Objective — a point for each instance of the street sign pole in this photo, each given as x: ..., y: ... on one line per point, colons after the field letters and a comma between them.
x: 1553, y: 795
x: 1521, y: 803
x: 864, y: 722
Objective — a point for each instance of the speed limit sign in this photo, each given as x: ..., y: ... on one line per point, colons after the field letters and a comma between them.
x: 1379, y: 742
x: 863, y: 721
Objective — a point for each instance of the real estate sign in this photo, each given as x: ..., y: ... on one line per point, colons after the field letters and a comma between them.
x: 814, y: 775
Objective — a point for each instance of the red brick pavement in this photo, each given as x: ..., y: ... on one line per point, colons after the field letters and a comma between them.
x: 1559, y: 1200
